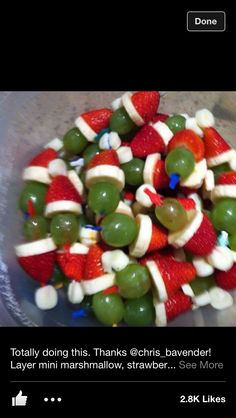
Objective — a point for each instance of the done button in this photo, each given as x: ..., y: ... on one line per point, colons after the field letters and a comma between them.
x: 206, y: 21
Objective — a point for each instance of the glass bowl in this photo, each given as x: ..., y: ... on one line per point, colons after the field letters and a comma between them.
x: 28, y: 120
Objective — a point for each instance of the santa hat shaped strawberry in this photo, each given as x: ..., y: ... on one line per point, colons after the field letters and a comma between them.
x: 226, y: 279
x: 150, y: 139
x: 37, y: 169
x: 217, y: 150
x: 72, y: 261
x: 37, y: 259
x: 225, y: 187
x: 173, y: 307
x: 95, y: 277
x: 91, y: 123
x: 198, y: 235
x: 105, y: 167
x: 169, y: 275
x: 141, y: 106
x: 150, y: 237
x: 154, y: 172
x: 62, y: 197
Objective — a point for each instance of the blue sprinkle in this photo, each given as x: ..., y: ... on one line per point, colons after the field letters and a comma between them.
x: 25, y: 216
x: 81, y: 313
x: 223, y: 239
x: 174, y: 180
x: 94, y: 228
x: 103, y: 131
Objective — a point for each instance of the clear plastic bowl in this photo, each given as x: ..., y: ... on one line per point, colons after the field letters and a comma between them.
x: 28, y: 120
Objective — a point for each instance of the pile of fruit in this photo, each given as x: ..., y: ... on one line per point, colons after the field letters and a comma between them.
x: 133, y: 214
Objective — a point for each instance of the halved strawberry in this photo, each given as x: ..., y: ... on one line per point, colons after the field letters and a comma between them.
x: 44, y: 158
x: 160, y: 177
x: 108, y: 157
x: 98, y: 119
x: 147, y: 141
x: 39, y: 267
x: 189, y: 140
x: 159, y: 238
x: 214, y: 143
x: 226, y: 279
x: 93, y: 266
x: 227, y: 178
x: 204, y: 240
x: 177, y: 304
x: 146, y: 103
x: 72, y: 265
x: 62, y: 189
x: 160, y: 117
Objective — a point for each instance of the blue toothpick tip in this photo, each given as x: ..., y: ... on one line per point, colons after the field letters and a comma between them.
x: 94, y: 228
x: 25, y: 216
x: 174, y: 180
x: 81, y: 313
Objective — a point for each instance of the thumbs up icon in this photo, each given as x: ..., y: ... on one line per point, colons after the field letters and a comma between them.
x: 19, y: 400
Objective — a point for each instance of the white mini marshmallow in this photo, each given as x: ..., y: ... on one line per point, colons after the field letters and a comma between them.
x: 110, y: 141
x: 57, y: 167
x: 88, y: 236
x: 191, y: 124
x: 114, y: 260
x: 116, y: 104
x: 219, y: 298
x: 232, y: 162
x: 75, y: 292
x: 46, y: 297
x: 202, y: 300
x: 55, y: 144
x: 205, y: 118
x: 142, y: 197
x: 209, y: 181
x: 124, y: 154
x: 221, y: 258
x: 203, y: 268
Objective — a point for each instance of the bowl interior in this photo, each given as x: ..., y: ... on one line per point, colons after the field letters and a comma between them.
x: 28, y: 120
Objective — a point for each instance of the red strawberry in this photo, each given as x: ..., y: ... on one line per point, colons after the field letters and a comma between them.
x: 160, y: 178
x: 189, y: 140
x: 226, y: 279
x: 98, y: 119
x: 175, y: 273
x: 214, y: 143
x: 146, y: 103
x: 39, y: 267
x: 125, y: 143
x: 62, y: 189
x: 93, y: 266
x: 203, y: 241
x: 227, y: 178
x: 177, y: 304
x: 72, y: 265
x: 108, y: 157
x: 188, y: 204
x: 44, y: 158
x: 160, y: 117
x: 159, y: 238
x: 147, y: 141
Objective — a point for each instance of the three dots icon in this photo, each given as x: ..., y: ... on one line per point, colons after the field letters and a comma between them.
x: 52, y: 399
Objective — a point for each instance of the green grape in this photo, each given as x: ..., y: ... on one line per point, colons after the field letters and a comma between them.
x: 133, y: 281
x: 36, y: 227
x: 35, y: 192
x: 180, y: 161
x: 224, y: 215
x: 130, y: 135
x: 133, y: 172
x: 59, y: 277
x: 82, y: 176
x: 118, y: 230
x: 201, y: 284
x: 120, y: 122
x: 171, y: 214
x: 74, y: 141
x: 103, y: 198
x: 139, y: 312
x: 189, y: 256
x: 89, y: 153
x: 219, y: 169
x: 176, y: 123
x: 64, y: 228
x: 108, y: 309
x: 232, y: 242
